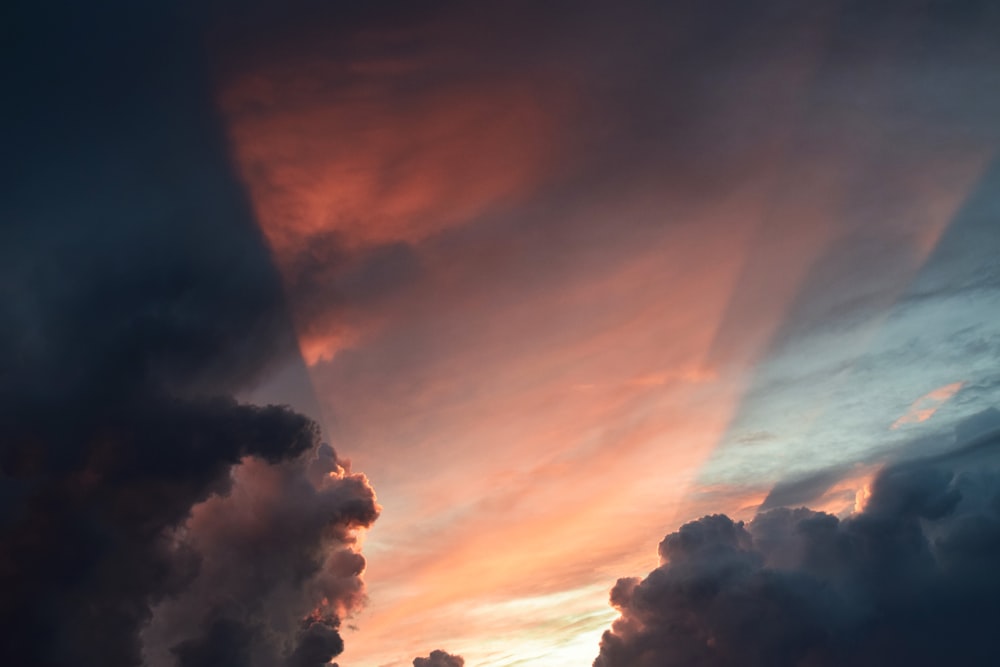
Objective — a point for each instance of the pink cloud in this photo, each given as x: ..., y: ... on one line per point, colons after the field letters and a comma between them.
x: 924, y: 407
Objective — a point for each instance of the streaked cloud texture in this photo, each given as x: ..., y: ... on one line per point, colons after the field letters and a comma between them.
x: 556, y: 279
x: 566, y: 276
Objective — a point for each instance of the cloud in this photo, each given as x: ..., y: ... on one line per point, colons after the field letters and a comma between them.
x: 906, y: 581
x: 138, y: 299
x: 439, y: 658
x: 802, y: 490
x: 924, y: 407
x: 297, y: 523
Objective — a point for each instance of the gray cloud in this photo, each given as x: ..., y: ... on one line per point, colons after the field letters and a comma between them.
x: 907, y: 581
x: 439, y: 658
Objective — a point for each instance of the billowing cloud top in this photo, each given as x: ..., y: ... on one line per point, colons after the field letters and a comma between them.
x: 439, y: 658
x: 909, y: 581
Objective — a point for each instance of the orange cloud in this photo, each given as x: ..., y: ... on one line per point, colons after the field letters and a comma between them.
x: 924, y: 407
x: 380, y: 150
x: 377, y: 168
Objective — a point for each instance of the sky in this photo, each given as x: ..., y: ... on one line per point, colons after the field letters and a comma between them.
x: 369, y: 332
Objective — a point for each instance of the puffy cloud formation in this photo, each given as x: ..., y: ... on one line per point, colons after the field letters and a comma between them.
x: 439, y: 658
x: 911, y: 580
x: 279, y: 568
x: 137, y: 300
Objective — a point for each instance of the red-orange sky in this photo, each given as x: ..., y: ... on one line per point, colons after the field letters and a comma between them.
x: 542, y: 265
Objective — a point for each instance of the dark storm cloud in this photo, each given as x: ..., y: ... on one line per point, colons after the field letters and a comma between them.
x: 136, y: 298
x: 439, y: 658
x: 978, y: 426
x: 908, y: 581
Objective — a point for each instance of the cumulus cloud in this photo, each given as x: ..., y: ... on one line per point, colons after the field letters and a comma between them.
x: 279, y: 568
x: 138, y: 299
x: 439, y: 658
x: 907, y: 581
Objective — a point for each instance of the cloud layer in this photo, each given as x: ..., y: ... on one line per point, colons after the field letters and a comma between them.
x: 908, y: 581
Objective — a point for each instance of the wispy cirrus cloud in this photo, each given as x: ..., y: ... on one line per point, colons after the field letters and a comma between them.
x: 924, y: 407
